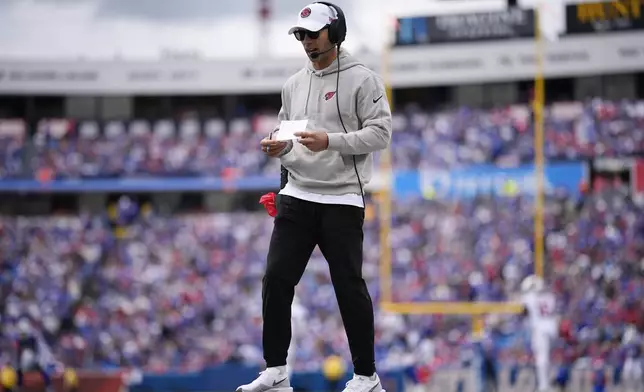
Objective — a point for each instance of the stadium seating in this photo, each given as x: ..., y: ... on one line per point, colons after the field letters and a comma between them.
x: 144, y: 296
x: 208, y: 147
x: 12, y: 142
x: 184, y: 291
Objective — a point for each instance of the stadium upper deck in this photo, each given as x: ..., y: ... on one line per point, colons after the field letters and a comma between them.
x: 437, y: 60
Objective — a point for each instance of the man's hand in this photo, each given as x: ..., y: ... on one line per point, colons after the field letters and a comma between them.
x: 272, y: 148
x: 314, y: 141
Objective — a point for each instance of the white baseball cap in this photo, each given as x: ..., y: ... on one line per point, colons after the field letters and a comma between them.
x: 314, y: 17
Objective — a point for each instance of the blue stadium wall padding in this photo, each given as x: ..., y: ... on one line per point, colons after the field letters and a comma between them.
x: 229, y: 376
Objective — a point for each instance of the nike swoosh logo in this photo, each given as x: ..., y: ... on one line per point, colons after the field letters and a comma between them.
x: 280, y: 381
x: 377, y: 99
x: 377, y: 385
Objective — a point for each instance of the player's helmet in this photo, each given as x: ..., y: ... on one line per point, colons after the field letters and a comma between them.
x: 532, y: 283
x: 527, y: 283
x: 538, y: 284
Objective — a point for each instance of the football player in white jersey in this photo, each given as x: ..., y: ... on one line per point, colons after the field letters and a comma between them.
x: 540, y: 306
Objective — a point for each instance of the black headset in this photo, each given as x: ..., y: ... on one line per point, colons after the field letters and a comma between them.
x: 338, y: 27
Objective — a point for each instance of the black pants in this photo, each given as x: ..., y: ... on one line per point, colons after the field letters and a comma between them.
x: 337, y: 229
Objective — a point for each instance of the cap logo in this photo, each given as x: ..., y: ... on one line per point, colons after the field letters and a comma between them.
x: 305, y: 12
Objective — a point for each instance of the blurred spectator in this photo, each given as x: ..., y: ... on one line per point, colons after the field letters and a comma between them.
x: 180, y: 291
x: 211, y: 147
x: 12, y: 143
x: 183, y: 291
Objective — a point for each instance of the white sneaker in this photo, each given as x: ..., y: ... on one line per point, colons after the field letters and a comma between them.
x: 364, y: 384
x: 273, y: 379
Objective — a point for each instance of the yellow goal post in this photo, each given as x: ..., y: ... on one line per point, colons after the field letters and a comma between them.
x: 384, y: 199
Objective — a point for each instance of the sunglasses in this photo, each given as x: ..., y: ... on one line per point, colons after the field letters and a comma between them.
x: 301, y: 34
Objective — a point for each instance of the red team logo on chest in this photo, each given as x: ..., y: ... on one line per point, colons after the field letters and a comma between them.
x: 329, y: 95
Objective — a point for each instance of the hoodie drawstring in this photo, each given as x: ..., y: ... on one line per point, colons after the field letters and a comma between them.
x: 308, y: 95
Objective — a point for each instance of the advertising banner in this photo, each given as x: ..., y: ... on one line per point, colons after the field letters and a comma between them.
x: 490, y: 180
x: 466, y: 182
x: 227, y: 377
x: 144, y: 185
x: 88, y: 381
x: 150, y: 185
x: 483, y: 26
x: 603, y: 17
x: 410, y: 66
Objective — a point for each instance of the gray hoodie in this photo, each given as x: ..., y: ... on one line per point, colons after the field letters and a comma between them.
x: 310, y: 95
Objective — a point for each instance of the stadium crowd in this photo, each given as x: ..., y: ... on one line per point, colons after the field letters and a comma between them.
x: 193, y: 147
x: 184, y: 291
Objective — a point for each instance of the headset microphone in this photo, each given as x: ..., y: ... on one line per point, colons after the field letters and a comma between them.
x: 315, y: 55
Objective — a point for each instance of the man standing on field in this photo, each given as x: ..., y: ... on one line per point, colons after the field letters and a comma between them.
x: 323, y: 201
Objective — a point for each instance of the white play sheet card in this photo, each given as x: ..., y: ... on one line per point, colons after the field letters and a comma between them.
x: 289, y: 128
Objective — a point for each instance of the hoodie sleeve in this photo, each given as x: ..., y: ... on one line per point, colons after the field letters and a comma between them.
x: 375, y: 115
